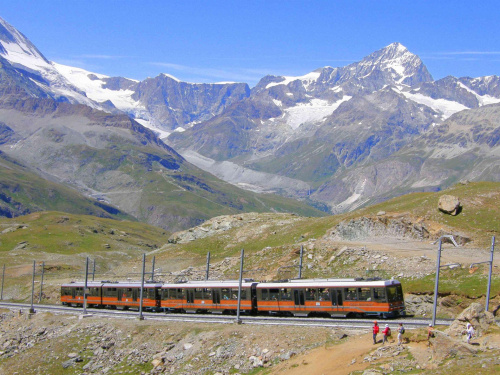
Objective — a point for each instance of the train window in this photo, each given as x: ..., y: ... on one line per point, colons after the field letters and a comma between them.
x: 323, y: 294
x: 109, y: 292
x: 311, y: 294
x: 198, y: 293
x: 165, y: 294
x: 379, y: 294
x: 207, y: 293
x: 265, y: 294
x: 181, y: 294
x: 226, y: 293
x: 351, y: 294
x: 244, y: 294
x: 273, y: 294
x: 151, y: 293
x: 94, y: 292
x: 394, y: 293
x: 364, y: 294
x: 286, y: 294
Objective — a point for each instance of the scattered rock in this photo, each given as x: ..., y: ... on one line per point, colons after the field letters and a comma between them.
x: 449, y: 204
x: 68, y: 363
x: 156, y: 362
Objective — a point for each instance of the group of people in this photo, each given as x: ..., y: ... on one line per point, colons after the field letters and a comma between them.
x: 401, y: 330
x: 387, y: 332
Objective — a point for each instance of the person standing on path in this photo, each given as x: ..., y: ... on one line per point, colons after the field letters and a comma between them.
x: 387, y: 333
x: 430, y: 334
x: 401, y: 331
x: 470, y: 332
x: 375, y: 332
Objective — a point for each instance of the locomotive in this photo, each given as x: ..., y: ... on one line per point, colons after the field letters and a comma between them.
x: 296, y: 297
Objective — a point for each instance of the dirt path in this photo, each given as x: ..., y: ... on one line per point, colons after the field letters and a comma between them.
x: 332, y: 360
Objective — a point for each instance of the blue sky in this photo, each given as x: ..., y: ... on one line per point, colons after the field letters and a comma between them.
x: 213, y: 41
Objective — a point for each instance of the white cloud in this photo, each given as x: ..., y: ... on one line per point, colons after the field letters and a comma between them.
x: 211, y: 74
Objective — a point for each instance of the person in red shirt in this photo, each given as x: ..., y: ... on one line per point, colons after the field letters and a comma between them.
x: 375, y: 331
x: 386, y: 332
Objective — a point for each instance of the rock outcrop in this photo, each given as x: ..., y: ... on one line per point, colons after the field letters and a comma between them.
x: 474, y: 314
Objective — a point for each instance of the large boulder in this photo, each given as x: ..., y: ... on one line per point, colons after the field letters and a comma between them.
x: 474, y: 314
x: 449, y: 204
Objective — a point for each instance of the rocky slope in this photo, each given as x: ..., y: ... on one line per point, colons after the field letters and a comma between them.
x: 47, y: 344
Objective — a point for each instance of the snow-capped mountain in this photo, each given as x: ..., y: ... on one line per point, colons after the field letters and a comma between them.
x: 25, y: 57
x: 162, y: 104
x: 317, y: 127
x: 312, y: 131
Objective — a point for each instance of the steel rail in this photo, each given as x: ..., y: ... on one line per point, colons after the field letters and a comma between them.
x: 410, y: 322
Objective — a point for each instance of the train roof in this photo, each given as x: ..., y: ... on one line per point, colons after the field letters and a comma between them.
x: 210, y: 284
x: 90, y: 284
x: 328, y: 283
x: 109, y: 284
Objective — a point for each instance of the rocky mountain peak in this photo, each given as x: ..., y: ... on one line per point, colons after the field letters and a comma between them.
x: 396, y: 63
x: 16, y: 47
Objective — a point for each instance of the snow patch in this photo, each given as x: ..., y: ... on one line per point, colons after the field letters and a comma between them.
x: 482, y: 99
x: 121, y: 99
x: 314, y: 111
x: 306, y: 80
x: 446, y: 107
x: 171, y: 77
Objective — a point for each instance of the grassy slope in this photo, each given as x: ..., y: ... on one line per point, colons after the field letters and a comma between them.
x: 270, y: 240
x: 23, y: 191
x: 479, y: 220
x: 479, y: 217
x: 63, y: 241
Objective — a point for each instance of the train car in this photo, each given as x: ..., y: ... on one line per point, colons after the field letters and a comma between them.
x: 208, y: 296
x: 126, y: 295
x: 111, y: 294
x: 72, y: 294
x: 334, y: 297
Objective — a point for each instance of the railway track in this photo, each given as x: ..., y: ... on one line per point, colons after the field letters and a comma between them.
x: 410, y: 322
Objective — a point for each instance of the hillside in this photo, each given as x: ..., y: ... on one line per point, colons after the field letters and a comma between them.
x: 22, y: 192
x: 393, y: 239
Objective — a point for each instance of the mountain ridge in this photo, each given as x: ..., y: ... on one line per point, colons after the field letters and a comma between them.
x: 314, y: 129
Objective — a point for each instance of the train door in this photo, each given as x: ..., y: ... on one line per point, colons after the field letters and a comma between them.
x: 120, y: 294
x: 73, y: 293
x: 299, y: 297
x: 135, y: 292
x: 337, y: 301
x: 337, y: 297
x: 216, y: 296
x: 216, y: 299
x: 190, y: 295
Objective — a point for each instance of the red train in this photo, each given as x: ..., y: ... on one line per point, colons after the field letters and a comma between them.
x: 333, y: 297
